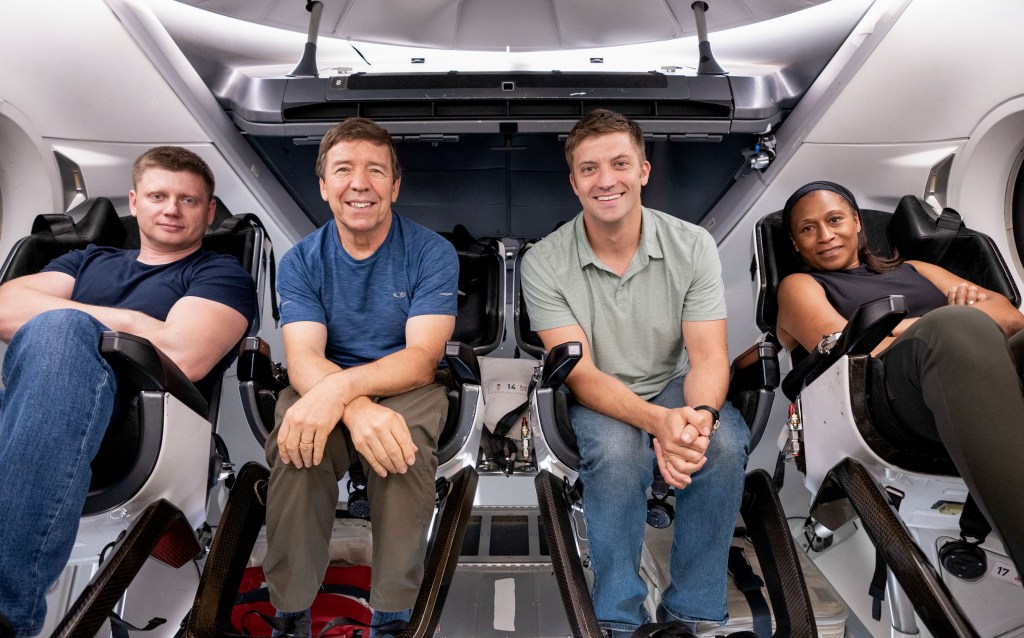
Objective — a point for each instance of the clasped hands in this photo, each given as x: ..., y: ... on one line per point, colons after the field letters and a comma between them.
x: 681, y: 438
x: 379, y: 434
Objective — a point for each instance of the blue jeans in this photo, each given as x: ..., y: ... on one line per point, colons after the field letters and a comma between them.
x: 59, y: 397
x: 617, y: 467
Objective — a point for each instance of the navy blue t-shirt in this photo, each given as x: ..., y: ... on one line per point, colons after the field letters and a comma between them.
x: 365, y: 303
x: 114, y: 278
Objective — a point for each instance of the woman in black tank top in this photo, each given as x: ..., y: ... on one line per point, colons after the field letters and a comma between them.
x: 951, y: 368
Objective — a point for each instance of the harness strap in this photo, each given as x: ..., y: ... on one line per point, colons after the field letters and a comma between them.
x: 877, y: 587
x: 947, y: 226
x: 119, y: 628
x: 750, y: 585
x: 229, y: 226
x: 61, y: 226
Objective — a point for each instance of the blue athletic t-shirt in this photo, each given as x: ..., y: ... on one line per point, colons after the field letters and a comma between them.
x: 115, y: 278
x: 365, y: 303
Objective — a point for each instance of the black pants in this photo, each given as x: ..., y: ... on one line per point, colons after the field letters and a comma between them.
x: 954, y: 378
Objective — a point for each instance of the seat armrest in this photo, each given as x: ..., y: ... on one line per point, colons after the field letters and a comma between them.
x: 755, y: 375
x: 462, y: 362
x: 255, y: 364
x: 870, y: 324
x: 559, y: 362
x: 145, y: 367
x: 756, y: 368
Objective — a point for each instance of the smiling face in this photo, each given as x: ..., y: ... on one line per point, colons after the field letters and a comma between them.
x: 824, y: 231
x: 607, y: 173
x: 173, y: 209
x: 359, y: 185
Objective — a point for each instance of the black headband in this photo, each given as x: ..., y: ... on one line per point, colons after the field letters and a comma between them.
x: 842, y: 191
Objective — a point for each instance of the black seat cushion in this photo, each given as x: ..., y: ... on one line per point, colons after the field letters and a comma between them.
x: 480, y: 322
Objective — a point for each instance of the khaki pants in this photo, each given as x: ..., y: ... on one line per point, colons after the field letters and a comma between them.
x: 302, y: 501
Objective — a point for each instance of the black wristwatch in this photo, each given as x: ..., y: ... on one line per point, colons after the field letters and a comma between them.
x: 714, y: 417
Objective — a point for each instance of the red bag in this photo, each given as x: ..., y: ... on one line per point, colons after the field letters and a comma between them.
x: 345, y: 593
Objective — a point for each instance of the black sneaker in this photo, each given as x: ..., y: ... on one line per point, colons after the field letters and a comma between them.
x: 6, y: 630
x: 295, y: 624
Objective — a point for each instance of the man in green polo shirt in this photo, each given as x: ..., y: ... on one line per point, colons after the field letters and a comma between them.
x: 643, y: 292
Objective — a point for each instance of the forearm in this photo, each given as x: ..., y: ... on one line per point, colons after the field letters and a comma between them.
x: 304, y: 375
x: 707, y: 383
x: 1010, y: 320
x: 20, y: 306
x: 607, y: 395
x: 397, y: 373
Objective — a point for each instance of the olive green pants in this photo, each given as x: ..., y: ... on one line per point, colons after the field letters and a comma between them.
x: 301, y: 508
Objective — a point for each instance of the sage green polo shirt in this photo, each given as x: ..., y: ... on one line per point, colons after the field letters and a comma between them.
x: 633, y: 322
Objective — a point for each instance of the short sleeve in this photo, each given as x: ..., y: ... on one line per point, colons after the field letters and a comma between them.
x: 545, y: 303
x: 298, y: 287
x: 70, y: 263
x: 436, y: 291
x: 220, y: 278
x: 705, y: 298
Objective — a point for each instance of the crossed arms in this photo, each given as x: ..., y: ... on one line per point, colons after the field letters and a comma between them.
x: 196, y: 334
x: 330, y: 394
x: 806, y: 315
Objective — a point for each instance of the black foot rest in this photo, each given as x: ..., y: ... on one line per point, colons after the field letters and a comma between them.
x: 554, y: 514
x: 161, y: 531
x: 444, y: 556
x: 929, y: 596
x: 780, y: 565
x: 236, y: 535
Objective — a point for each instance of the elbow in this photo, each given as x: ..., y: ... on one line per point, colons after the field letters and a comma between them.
x: 193, y: 369
x: 429, y: 373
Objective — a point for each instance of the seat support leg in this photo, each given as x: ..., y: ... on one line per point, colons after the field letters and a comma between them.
x: 554, y: 513
x: 236, y: 535
x: 780, y: 565
x: 444, y: 555
x: 931, y: 600
x: 161, y: 531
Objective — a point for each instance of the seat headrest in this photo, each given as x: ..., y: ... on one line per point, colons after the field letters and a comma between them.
x: 481, y: 319
x: 55, y: 234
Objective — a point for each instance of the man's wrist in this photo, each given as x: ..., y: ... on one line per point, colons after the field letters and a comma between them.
x: 714, y: 415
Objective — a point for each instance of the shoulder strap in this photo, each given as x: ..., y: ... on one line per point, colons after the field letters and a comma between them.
x: 229, y: 226
x: 59, y: 225
x: 947, y: 226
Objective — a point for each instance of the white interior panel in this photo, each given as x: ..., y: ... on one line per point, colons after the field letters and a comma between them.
x: 932, y: 77
x: 129, y: 101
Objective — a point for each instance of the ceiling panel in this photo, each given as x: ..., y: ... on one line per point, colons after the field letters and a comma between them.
x: 493, y: 25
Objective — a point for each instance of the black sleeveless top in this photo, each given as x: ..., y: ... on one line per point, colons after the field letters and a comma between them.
x: 846, y: 290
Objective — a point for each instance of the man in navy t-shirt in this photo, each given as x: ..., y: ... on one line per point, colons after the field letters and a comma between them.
x: 60, y: 392
x: 367, y: 303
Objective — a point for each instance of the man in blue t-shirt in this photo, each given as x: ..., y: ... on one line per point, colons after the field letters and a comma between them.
x: 60, y: 392
x: 367, y: 303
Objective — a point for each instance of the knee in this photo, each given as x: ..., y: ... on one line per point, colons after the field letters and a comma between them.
x: 955, y: 325
x: 54, y: 327
x: 960, y: 334
x: 613, y: 448
x: 61, y: 340
x: 730, y: 446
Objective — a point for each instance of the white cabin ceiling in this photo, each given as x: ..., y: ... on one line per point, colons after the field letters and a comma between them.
x: 498, y: 25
